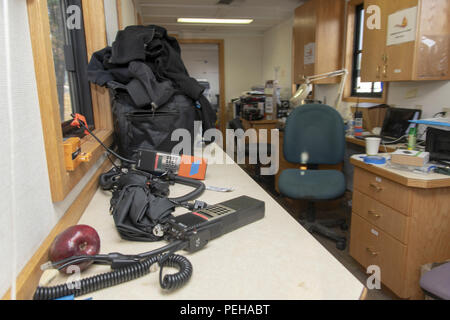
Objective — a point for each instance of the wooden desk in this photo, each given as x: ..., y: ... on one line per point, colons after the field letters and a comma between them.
x: 261, y: 124
x: 362, y: 143
x: 274, y: 258
x: 400, y: 221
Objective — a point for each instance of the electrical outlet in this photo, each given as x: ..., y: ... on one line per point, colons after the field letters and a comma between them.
x: 411, y: 94
x: 447, y: 111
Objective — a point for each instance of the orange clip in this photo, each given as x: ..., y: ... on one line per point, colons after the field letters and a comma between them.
x: 77, y: 120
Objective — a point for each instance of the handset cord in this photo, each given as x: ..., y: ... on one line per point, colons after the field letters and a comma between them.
x: 102, y: 144
x: 129, y: 272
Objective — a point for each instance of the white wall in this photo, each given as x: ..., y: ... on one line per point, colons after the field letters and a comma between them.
x: 277, y: 56
x: 243, y: 61
x: 243, y: 64
x: 432, y: 95
x: 25, y: 190
x: 128, y: 13
x: 112, y: 22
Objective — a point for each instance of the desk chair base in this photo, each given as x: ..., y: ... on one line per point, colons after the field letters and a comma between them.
x: 323, y: 227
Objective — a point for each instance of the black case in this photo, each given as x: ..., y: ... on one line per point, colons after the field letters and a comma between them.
x: 438, y: 144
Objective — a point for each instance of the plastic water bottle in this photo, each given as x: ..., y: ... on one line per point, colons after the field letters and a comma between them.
x: 358, y: 126
x: 412, y: 138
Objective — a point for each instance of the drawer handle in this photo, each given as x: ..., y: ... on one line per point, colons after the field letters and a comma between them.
x: 385, y: 70
x: 371, y: 252
x: 374, y: 214
x: 376, y: 187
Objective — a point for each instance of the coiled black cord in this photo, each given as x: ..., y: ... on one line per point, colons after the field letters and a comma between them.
x: 175, y: 281
x: 128, y: 273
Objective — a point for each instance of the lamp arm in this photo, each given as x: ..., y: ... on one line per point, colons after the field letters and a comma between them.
x: 326, y: 75
x: 341, y: 88
x: 309, y: 80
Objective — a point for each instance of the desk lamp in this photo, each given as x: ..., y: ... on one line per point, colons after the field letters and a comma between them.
x: 306, y: 88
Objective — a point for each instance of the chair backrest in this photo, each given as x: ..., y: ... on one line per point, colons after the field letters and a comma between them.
x: 314, y: 134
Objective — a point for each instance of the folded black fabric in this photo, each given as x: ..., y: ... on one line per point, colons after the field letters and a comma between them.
x: 101, y: 70
x: 159, y: 93
x: 137, y: 210
x: 131, y: 43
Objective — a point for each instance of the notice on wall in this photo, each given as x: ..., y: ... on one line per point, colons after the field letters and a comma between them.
x: 402, y: 26
x: 310, y: 53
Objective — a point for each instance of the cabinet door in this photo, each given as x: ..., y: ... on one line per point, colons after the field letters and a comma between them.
x: 330, y: 37
x: 304, y: 34
x: 374, y: 41
x: 400, y: 57
x: 433, y: 43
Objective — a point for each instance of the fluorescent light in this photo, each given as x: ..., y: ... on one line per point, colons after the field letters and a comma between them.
x: 224, y: 21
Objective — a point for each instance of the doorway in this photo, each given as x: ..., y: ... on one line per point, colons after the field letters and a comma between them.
x: 204, y: 60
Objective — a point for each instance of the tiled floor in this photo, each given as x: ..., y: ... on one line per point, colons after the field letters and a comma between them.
x: 342, y: 256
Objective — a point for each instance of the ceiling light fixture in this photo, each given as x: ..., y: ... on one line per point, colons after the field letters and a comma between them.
x: 222, y: 21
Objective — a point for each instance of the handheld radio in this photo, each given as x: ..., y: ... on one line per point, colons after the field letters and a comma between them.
x: 155, y: 161
x: 160, y: 162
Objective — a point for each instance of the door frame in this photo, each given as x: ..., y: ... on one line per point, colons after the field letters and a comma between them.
x: 222, y: 106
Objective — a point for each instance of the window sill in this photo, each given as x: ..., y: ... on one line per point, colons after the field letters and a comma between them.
x: 88, y: 145
x: 381, y: 100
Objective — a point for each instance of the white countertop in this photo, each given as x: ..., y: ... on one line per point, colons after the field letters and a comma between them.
x: 272, y: 259
x: 404, y: 173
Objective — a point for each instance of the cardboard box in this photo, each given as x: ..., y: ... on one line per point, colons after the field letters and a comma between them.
x: 410, y: 158
x: 373, y: 116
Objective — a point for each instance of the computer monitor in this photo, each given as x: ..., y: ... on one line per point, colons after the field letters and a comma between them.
x: 396, y: 123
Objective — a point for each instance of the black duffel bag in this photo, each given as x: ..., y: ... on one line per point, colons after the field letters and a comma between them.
x: 153, y: 94
x: 137, y: 129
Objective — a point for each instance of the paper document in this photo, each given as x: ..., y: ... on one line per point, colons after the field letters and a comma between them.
x: 402, y: 26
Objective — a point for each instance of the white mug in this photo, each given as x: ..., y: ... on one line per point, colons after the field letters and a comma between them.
x: 372, y: 146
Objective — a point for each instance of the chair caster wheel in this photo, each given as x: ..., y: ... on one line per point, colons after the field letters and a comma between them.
x: 344, y: 227
x: 341, y: 245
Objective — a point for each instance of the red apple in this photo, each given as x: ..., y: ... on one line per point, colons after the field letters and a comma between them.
x: 75, y: 241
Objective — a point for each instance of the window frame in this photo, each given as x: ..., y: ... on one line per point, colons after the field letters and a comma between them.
x: 76, y: 50
x: 61, y: 180
x: 350, y: 61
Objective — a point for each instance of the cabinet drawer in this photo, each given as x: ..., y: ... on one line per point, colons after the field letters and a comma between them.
x: 370, y: 245
x: 387, y: 192
x: 387, y: 219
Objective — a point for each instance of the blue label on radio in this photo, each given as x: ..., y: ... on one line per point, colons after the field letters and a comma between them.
x: 195, y: 167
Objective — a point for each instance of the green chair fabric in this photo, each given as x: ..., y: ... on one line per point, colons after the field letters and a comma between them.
x: 314, y: 135
x: 312, y: 184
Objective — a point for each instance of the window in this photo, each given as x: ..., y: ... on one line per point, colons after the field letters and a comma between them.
x: 70, y: 62
x: 355, y: 90
x: 362, y: 89
x: 65, y: 51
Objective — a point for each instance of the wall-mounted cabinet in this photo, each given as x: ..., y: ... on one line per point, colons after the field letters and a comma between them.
x: 318, y: 38
x: 413, y: 42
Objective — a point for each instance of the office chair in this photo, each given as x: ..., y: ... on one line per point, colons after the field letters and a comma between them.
x: 315, y: 135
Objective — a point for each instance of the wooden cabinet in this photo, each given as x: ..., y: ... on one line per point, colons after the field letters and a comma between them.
x: 399, y: 223
x: 413, y: 42
x: 318, y: 39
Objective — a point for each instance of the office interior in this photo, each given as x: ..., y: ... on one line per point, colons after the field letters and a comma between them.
x: 309, y: 70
